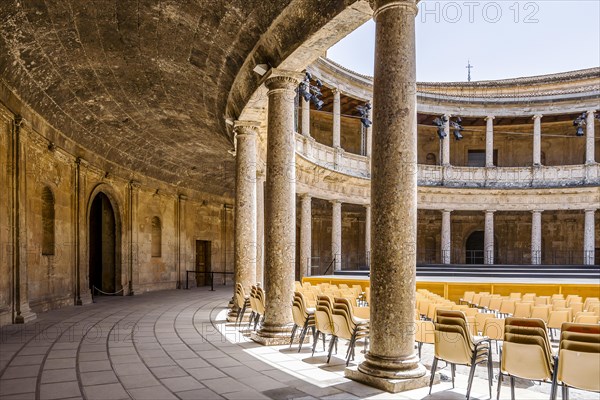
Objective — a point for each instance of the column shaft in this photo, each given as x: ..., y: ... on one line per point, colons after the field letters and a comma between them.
x: 489, y: 141
x: 305, y: 116
x: 260, y: 227
x: 488, y: 247
x: 336, y: 234
x: 337, y: 118
x: 280, y: 201
x: 589, y: 239
x: 394, y: 201
x: 536, y: 237
x: 589, y: 139
x: 446, y: 237
x: 537, y: 139
x: 368, y: 235
x: 445, y: 143
x: 245, y: 204
x: 305, y: 236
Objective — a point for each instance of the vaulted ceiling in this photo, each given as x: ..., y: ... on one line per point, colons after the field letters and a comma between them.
x: 146, y: 85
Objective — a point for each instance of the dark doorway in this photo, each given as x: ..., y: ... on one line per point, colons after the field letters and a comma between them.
x: 103, y: 271
x: 203, y: 263
x: 474, y: 248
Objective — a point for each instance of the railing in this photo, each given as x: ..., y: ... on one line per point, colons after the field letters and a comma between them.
x: 212, y: 277
x: 511, y: 257
x: 455, y: 176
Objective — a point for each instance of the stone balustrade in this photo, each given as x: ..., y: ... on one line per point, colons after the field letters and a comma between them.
x: 453, y: 176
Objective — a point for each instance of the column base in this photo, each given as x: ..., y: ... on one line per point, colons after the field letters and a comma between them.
x: 389, y: 385
x: 276, y: 335
x: 26, y: 315
x: 390, y: 374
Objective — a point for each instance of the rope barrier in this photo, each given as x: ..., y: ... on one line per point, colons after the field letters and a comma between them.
x: 106, y: 293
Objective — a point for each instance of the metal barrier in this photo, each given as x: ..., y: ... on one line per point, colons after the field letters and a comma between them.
x: 212, y: 278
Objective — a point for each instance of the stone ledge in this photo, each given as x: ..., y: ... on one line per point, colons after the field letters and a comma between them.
x: 389, y: 385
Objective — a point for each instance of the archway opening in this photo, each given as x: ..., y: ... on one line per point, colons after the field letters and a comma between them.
x: 474, y: 248
x: 103, y: 247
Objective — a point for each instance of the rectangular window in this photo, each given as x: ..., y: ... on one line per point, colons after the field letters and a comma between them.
x: 476, y: 158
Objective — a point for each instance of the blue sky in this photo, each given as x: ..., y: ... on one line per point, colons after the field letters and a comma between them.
x: 502, y: 39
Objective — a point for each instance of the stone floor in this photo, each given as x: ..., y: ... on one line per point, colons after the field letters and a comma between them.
x: 176, y: 344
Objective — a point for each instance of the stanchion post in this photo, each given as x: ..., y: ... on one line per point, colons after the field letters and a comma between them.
x: 212, y: 281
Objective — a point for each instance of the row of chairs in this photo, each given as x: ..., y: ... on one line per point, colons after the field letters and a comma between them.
x: 255, y: 302
x: 354, y: 293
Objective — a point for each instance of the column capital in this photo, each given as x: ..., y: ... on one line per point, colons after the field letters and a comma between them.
x: 134, y: 185
x: 334, y: 202
x: 183, y: 197
x: 279, y: 80
x: 537, y: 211
x: 246, y: 128
x: 305, y: 196
x: 367, y: 206
x: 380, y: 6
x: 490, y: 117
x: 336, y: 90
x: 490, y: 211
x: 591, y: 112
x: 590, y: 210
x: 447, y: 210
x: 537, y: 116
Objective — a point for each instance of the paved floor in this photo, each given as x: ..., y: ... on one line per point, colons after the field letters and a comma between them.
x: 176, y: 344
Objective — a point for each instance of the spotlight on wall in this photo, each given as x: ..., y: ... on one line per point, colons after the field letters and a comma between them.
x: 457, y: 127
x: 261, y: 69
x: 579, y: 123
x: 440, y: 122
x: 311, y: 92
x: 364, y: 112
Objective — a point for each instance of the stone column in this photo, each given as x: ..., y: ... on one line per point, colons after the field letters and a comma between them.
x: 391, y: 363
x: 536, y: 237
x: 181, y: 199
x: 133, y: 273
x: 337, y: 117
x: 305, y: 117
x: 589, y: 138
x: 445, y: 142
x: 369, y: 139
x: 446, y: 237
x: 589, y: 239
x: 489, y: 141
x: 280, y: 202
x: 336, y: 234
x: 537, y: 139
x: 368, y: 235
x: 260, y: 226
x: 305, y: 235
x: 245, y: 204
x: 488, y: 246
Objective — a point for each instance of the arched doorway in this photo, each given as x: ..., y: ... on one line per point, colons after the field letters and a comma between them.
x: 474, y: 248
x: 103, y: 272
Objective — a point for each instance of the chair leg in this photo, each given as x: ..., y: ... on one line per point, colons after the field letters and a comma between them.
x: 565, y: 392
x: 303, y: 334
x: 512, y: 388
x: 241, y: 315
x: 554, y: 390
x: 250, y: 319
x: 500, y: 376
x: 331, y: 344
x: 315, y: 343
x: 293, y: 334
x: 453, y: 372
x: 471, y: 375
x: 323, y: 336
x: 433, y: 368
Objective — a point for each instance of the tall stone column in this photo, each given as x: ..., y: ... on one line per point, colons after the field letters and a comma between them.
x: 445, y: 142
x: 446, y: 237
x: 260, y: 226
x: 305, y: 235
x: 181, y: 267
x: 368, y: 234
x: 336, y: 234
x: 488, y: 246
x: 391, y: 363
x: 589, y: 239
x: 537, y: 139
x: 305, y: 117
x: 133, y: 270
x: 536, y: 237
x: 280, y: 224
x: 589, y: 138
x: 489, y: 141
x: 337, y: 117
x: 245, y: 204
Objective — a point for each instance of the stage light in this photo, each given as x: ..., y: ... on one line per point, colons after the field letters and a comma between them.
x: 457, y: 127
x: 261, y: 69
x: 311, y: 92
x: 580, y: 122
x: 440, y: 122
x: 364, y: 114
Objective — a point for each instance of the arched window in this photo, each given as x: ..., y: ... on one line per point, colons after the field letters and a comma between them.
x: 156, y: 237
x: 430, y: 159
x: 47, y: 222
